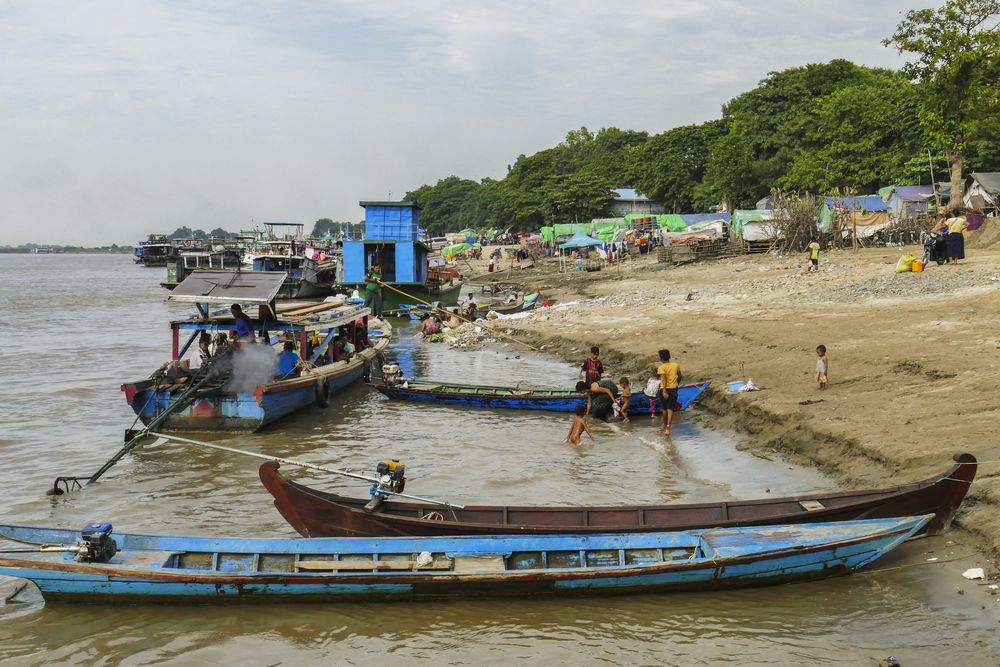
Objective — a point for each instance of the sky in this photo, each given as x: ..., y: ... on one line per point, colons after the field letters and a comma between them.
x: 123, y: 118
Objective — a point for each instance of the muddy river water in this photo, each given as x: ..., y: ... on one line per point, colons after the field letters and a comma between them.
x: 72, y: 328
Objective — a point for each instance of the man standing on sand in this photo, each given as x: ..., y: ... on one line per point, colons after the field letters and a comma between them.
x: 373, y: 290
x: 670, y: 382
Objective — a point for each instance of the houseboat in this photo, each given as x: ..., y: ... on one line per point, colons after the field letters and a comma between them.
x: 393, y: 241
x: 157, y: 250
x: 214, y: 260
x: 239, y: 390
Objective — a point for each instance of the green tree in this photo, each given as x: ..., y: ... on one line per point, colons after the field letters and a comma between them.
x: 220, y: 233
x: 861, y: 136
x: 322, y: 227
x: 182, y: 233
x: 442, y: 203
x: 956, y: 51
x: 576, y: 197
x: 671, y: 166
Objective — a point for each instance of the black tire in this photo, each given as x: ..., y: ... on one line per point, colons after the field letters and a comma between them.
x: 322, y: 394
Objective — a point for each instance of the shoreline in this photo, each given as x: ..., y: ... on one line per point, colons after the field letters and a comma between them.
x: 912, y: 356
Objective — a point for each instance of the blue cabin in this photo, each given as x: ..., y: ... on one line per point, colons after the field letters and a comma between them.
x: 392, y: 240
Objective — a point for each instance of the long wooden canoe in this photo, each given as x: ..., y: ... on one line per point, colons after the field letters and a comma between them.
x: 552, y: 399
x: 315, y: 513
x: 152, y: 568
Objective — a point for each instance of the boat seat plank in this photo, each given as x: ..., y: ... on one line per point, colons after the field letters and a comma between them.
x: 484, y: 563
x: 361, y: 565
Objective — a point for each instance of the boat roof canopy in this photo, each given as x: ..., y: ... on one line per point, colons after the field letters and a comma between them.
x: 228, y: 287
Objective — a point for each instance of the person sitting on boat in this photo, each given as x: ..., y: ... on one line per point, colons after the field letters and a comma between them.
x: 361, y: 337
x: 243, y: 323
x: 337, y: 351
x: 601, y: 396
x: 288, y: 362
x: 453, y: 319
x: 470, y: 310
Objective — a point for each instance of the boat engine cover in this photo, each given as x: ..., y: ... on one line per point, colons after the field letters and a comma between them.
x: 97, y: 545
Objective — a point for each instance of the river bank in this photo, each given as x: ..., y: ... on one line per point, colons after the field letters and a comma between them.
x: 913, y: 357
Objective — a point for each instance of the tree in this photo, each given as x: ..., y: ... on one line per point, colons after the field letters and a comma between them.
x: 220, y: 233
x: 957, y: 64
x: 441, y: 203
x: 322, y: 227
x: 671, y: 166
x: 182, y: 233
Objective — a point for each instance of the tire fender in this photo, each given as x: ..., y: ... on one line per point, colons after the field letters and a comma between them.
x: 322, y: 394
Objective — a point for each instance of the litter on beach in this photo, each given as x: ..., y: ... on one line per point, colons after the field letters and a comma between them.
x: 737, y: 386
x: 974, y: 573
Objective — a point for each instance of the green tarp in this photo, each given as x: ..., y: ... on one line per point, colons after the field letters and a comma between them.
x: 571, y: 229
x: 671, y: 222
x: 454, y: 249
x: 548, y: 234
x: 741, y: 217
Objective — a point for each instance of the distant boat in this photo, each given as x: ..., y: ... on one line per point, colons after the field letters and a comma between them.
x: 158, y: 250
x: 151, y: 568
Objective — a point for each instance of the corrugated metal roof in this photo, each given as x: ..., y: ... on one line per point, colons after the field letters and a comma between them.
x: 990, y: 181
x: 257, y: 287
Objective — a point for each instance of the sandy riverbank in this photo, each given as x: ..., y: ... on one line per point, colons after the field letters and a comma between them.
x: 913, y: 357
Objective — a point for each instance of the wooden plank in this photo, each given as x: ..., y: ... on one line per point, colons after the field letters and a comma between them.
x: 484, y: 563
x: 356, y: 565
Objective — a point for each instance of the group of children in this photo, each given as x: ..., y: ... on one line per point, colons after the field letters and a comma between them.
x: 661, y: 387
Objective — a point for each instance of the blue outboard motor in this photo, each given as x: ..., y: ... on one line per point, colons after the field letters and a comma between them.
x: 97, y: 545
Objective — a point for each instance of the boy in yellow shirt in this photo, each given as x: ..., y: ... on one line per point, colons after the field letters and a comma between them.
x: 670, y: 382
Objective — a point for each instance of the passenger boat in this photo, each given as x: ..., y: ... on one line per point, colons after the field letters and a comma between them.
x: 314, y: 513
x: 553, y: 399
x: 158, y: 250
x: 247, y: 396
x: 150, y: 568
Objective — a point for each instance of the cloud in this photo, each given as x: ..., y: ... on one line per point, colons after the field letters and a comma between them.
x: 124, y: 118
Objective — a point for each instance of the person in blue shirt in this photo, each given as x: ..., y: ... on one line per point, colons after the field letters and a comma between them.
x: 244, y: 325
x: 288, y: 362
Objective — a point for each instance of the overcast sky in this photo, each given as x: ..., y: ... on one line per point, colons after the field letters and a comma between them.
x: 118, y: 119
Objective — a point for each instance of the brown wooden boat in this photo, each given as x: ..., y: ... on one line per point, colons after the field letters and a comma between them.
x: 318, y: 514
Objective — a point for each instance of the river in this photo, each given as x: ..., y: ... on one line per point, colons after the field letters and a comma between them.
x: 74, y: 327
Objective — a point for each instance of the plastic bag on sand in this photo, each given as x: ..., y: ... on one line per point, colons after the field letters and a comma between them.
x: 905, y: 263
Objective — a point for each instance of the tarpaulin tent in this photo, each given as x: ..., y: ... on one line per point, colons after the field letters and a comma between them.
x: 454, y: 249
x: 909, y: 201
x: 548, y: 234
x: 863, y: 204
x: 564, y: 229
x: 672, y: 222
x: 753, y: 224
x: 695, y: 218
x: 580, y: 240
x: 984, y: 193
x: 605, y: 228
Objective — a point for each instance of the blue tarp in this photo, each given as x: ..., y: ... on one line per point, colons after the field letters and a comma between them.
x: 914, y: 192
x: 865, y: 203
x: 580, y: 240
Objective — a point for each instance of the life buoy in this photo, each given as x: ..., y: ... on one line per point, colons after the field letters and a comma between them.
x: 322, y: 394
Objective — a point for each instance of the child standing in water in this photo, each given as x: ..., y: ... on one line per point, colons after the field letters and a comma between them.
x: 822, y: 366
x: 579, y: 426
x: 651, y: 390
x: 626, y: 396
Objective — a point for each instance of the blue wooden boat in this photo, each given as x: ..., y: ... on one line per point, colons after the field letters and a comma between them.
x: 553, y: 399
x: 250, y: 396
x: 150, y: 568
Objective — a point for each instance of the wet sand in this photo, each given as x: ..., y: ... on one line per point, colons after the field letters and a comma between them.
x: 913, y: 357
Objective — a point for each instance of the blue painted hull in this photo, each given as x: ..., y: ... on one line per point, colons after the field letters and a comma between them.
x: 152, y: 568
x: 639, y: 404
x: 240, y: 412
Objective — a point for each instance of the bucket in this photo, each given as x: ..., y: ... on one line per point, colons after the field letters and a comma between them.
x: 917, y: 266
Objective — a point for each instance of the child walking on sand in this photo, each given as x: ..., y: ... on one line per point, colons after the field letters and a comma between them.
x: 822, y: 366
x: 579, y: 426
x: 626, y: 396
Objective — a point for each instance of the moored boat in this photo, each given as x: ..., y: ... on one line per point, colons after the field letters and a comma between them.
x: 245, y: 394
x: 150, y: 568
x: 553, y: 399
x: 314, y: 513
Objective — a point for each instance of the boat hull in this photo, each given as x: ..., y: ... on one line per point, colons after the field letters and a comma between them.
x: 314, y: 513
x: 505, y: 566
x: 445, y: 296
x: 566, y: 402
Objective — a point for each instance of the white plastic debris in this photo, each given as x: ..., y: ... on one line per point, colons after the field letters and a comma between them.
x: 424, y: 558
x: 974, y: 573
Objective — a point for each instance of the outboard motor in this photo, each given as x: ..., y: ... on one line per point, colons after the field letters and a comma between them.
x: 390, y: 476
x: 97, y: 545
x: 391, y: 375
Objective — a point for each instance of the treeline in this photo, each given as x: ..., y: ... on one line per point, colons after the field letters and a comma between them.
x: 201, y: 234
x: 820, y: 128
